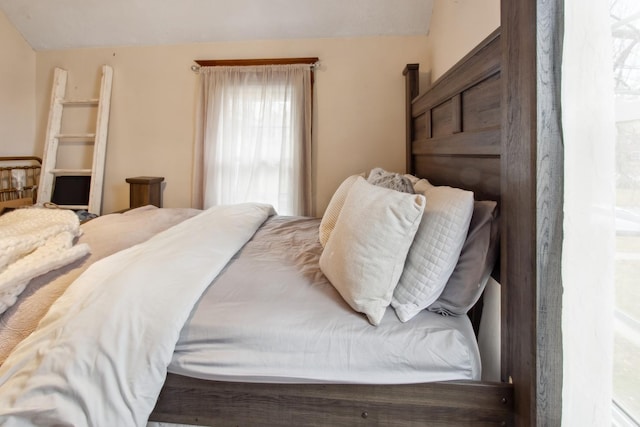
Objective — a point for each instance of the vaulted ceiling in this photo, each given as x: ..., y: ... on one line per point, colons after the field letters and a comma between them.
x: 69, y: 24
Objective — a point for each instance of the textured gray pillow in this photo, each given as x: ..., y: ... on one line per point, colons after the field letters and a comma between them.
x: 391, y: 180
x: 477, y: 258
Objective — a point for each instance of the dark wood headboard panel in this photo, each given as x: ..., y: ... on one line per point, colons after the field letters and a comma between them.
x: 453, y: 130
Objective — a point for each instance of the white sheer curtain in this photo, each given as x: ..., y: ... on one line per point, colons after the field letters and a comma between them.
x: 253, y: 140
x: 589, y: 223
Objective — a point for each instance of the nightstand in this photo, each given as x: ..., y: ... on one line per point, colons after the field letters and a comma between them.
x: 145, y: 190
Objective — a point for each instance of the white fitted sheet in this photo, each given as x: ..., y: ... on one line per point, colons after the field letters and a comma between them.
x: 272, y: 316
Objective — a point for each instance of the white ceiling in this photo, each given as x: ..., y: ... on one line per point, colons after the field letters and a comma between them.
x: 68, y: 24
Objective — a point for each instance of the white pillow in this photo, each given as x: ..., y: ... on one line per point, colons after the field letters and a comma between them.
x: 330, y: 216
x: 435, y: 249
x: 366, y: 251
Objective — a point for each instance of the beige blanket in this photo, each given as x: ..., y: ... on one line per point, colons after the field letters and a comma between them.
x: 33, y: 242
x: 105, y: 235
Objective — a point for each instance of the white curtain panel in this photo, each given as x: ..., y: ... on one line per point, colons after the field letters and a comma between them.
x: 253, y: 139
x: 588, y: 250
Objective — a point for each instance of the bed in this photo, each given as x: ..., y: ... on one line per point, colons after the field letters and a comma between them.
x: 455, y: 126
x: 19, y: 178
x: 477, y: 78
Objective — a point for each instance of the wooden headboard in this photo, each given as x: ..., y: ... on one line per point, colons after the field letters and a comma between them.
x: 453, y: 129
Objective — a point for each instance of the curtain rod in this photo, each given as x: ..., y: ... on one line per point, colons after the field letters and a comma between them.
x: 312, y: 61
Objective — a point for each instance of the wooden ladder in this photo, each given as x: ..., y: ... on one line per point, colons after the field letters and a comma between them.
x: 98, y: 139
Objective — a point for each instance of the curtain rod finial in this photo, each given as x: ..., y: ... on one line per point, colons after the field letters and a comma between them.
x: 195, y: 68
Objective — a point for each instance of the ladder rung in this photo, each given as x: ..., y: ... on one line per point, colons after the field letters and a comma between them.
x: 71, y: 172
x: 76, y: 136
x: 73, y: 207
x: 92, y: 101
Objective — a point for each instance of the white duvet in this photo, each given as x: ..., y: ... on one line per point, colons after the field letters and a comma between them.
x: 99, y: 356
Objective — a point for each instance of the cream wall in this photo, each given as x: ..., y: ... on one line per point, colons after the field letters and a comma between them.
x: 359, y: 114
x: 17, y: 92
x: 456, y: 28
x: 359, y: 106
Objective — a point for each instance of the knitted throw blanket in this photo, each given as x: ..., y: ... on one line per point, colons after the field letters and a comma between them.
x: 33, y: 242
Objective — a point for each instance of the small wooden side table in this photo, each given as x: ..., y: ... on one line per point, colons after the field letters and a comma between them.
x: 145, y: 190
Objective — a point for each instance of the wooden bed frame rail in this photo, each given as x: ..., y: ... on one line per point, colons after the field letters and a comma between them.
x: 228, y: 403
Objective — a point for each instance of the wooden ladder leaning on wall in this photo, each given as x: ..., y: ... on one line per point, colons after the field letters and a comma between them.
x: 99, y: 139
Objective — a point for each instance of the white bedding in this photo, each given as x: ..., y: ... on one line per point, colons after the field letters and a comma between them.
x: 99, y: 356
x: 288, y: 324
x: 105, y: 236
x: 283, y: 317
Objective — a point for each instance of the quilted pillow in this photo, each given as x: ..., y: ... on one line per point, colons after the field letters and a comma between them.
x: 478, y: 256
x: 328, y: 221
x: 366, y: 251
x: 435, y: 249
x: 391, y: 180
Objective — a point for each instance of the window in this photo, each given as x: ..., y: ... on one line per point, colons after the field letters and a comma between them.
x: 625, y: 24
x: 255, y: 136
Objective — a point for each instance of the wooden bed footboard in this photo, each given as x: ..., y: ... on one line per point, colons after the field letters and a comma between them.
x: 19, y: 178
x: 252, y: 404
